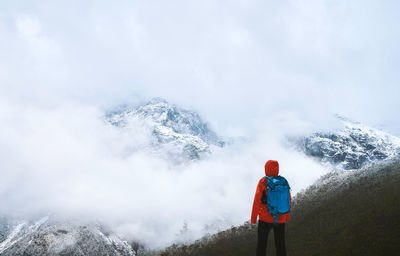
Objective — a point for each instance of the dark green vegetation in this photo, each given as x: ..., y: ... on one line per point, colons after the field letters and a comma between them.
x: 344, y: 213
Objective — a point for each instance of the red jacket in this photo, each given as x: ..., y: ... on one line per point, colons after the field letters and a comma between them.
x: 261, y: 210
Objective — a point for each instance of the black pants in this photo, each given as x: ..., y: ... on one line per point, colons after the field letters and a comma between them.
x: 279, y: 237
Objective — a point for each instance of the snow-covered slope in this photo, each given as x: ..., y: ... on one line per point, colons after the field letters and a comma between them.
x: 351, y: 147
x: 180, y: 134
x: 49, y: 237
x: 175, y: 133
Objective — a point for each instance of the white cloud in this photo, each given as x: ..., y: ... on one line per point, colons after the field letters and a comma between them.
x: 239, y: 57
x: 289, y: 64
x: 27, y: 26
x: 68, y: 161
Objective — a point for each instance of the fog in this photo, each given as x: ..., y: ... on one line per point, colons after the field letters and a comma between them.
x: 232, y: 61
x: 259, y: 70
x: 69, y: 162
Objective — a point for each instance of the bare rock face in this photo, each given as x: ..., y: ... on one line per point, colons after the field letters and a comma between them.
x: 48, y: 237
x: 179, y: 134
x: 352, y: 147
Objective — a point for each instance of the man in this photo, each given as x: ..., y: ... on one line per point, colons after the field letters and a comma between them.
x: 266, y: 220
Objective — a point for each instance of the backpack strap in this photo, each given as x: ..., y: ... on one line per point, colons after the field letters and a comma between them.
x: 264, y: 197
x: 268, y: 182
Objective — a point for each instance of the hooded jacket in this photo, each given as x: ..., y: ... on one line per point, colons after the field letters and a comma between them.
x: 261, y: 210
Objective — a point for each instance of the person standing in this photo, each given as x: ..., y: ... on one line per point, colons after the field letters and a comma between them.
x: 268, y: 220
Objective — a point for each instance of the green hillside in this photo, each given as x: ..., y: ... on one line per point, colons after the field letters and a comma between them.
x: 344, y: 213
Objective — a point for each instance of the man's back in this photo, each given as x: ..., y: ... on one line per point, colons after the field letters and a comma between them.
x: 271, y: 219
x: 261, y: 210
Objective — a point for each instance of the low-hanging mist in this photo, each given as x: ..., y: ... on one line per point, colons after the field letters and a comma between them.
x: 262, y: 70
x: 68, y: 161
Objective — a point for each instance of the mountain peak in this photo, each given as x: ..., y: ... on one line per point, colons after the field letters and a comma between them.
x: 181, y: 130
x: 351, y: 147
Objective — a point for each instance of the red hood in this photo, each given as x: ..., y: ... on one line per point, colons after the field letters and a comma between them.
x: 271, y: 168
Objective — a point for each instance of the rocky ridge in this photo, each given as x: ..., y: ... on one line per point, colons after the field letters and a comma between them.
x: 351, y: 147
x: 49, y: 237
x: 176, y: 133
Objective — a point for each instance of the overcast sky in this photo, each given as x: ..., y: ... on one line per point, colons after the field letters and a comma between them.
x: 257, y: 68
x: 230, y: 60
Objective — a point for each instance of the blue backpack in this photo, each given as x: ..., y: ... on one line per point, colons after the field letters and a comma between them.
x: 278, y: 197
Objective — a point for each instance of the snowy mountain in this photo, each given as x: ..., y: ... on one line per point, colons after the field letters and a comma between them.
x: 175, y: 133
x: 49, y: 237
x: 179, y: 133
x: 352, y: 146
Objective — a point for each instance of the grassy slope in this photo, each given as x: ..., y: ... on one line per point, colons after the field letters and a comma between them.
x: 361, y: 217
